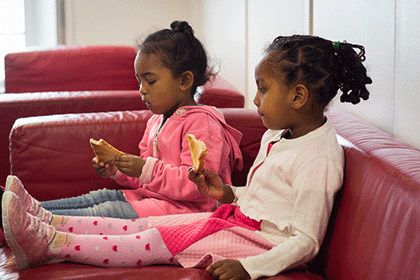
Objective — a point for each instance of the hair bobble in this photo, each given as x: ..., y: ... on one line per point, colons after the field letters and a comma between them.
x: 361, y: 53
x: 336, y: 46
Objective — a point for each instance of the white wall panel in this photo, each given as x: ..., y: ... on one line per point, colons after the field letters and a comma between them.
x: 120, y: 22
x: 268, y: 19
x: 40, y: 23
x: 407, y: 71
x: 369, y: 23
x: 224, y: 31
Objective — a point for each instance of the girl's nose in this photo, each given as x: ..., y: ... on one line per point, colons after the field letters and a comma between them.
x: 142, y: 89
x: 256, y: 100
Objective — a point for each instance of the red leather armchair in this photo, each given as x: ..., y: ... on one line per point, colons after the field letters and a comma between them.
x: 373, y: 231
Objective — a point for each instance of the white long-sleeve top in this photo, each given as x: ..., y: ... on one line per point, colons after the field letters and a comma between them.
x: 291, y: 190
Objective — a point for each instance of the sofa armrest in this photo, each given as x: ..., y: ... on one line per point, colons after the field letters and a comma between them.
x: 14, y: 106
x: 52, y: 155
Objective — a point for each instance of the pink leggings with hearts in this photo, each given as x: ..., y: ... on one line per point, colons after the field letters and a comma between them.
x: 127, y: 243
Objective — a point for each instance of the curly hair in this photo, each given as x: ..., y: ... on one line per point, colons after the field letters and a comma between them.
x: 322, y: 66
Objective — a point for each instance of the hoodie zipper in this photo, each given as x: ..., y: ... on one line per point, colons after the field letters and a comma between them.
x: 155, y: 141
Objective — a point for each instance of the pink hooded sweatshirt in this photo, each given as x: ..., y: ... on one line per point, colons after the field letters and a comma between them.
x: 163, y: 187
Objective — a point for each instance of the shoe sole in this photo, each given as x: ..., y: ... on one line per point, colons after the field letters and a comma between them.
x: 20, y: 256
x: 9, y: 181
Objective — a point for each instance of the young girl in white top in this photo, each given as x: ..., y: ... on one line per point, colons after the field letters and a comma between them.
x: 276, y: 222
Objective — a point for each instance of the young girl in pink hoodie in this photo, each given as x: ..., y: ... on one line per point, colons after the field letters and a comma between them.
x: 170, y: 65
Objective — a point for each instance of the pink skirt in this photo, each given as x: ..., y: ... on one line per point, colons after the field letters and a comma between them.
x: 207, y: 237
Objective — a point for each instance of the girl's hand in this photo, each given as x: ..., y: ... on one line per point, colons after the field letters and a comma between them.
x: 130, y: 165
x: 208, y: 183
x: 228, y: 269
x: 104, y: 170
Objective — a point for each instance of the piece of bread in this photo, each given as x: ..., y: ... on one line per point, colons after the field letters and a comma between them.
x: 198, y: 152
x: 104, y: 152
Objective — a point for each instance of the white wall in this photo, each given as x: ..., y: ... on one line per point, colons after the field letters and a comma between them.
x: 90, y: 22
x: 266, y: 20
x: 371, y: 24
x: 236, y: 31
x: 40, y: 23
x: 224, y: 36
x: 407, y: 72
x: 389, y: 30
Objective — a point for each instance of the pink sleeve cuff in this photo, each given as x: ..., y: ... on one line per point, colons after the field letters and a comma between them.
x: 118, y: 173
x: 147, y: 172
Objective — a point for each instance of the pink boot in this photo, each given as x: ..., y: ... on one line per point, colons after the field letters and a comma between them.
x: 26, y: 235
x: 30, y: 204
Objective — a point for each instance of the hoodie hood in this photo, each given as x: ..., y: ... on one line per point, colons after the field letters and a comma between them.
x: 232, y: 135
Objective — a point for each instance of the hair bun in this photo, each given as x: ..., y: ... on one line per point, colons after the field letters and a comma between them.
x: 183, y: 27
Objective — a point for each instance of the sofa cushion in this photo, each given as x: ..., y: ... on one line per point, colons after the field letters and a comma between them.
x: 249, y: 123
x: 94, y: 68
x: 51, y: 153
x: 221, y: 94
x: 71, y: 68
x: 71, y: 271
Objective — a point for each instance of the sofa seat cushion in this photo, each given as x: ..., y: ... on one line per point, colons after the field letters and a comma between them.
x: 71, y: 271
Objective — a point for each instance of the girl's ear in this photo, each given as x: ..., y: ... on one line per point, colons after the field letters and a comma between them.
x: 300, y: 96
x: 187, y: 80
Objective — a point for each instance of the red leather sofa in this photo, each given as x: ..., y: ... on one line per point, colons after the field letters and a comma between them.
x: 81, y: 80
x: 374, y: 229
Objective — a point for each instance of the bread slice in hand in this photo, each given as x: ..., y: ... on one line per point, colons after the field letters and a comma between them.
x: 104, y: 152
x: 198, y: 152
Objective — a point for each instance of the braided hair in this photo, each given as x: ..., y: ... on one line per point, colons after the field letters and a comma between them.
x: 322, y: 66
x: 180, y: 51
